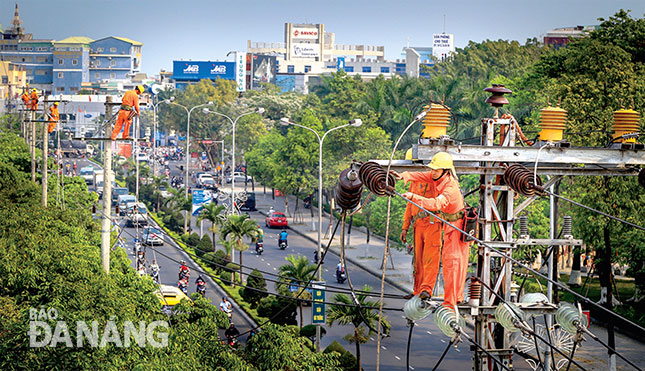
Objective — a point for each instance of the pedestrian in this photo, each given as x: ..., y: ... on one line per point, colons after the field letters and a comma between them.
x: 449, y: 202
x: 129, y: 107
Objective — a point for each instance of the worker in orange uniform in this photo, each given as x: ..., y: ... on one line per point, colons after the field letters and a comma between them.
x: 25, y: 98
x: 53, y: 117
x: 129, y: 107
x: 33, y: 97
x: 450, y: 204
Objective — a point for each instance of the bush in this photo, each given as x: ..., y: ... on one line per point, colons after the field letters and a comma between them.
x: 254, y: 281
x: 232, y: 267
x: 220, y: 260
x: 204, y: 246
x: 208, y: 258
x: 333, y: 347
x: 193, y: 239
x: 228, y: 276
x: 271, y: 306
x: 348, y: 361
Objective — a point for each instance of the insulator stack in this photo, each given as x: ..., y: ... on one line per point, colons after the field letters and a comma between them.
x: 522, y: 180
x: 436, y: 121
x: 626, y: 121
x: 552, y: 121
x: 570, y: 318
x: 524, y: 226
x: 534, y: 298
x: 446, y: 319
x: 566, y: 226
x: 474, y: 293
x: 508, y: 315
x: 415, y: 309
x: 497, y: 99
x: 348, y: 189
x: 374, y: 177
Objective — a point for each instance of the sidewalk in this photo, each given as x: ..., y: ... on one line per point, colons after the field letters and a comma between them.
x: 368, y: 256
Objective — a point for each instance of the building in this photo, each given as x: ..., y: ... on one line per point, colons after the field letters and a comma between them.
x: 13, y: 79
x: 62, y: 67
x: 560, y: 37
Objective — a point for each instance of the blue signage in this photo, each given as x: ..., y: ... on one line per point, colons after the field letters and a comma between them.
x: 318, y: 305
x: 191, y: 70
x: 201, y: 198
x: 340, y: 63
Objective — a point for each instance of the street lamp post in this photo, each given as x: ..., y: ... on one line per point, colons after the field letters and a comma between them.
x: 356, y: 123
x: 234, y: 123
x: 189, y: 112
x: 154, y: 134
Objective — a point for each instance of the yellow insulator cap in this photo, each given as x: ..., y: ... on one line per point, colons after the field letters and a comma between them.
x: 626, y: 121
x: 408, y: 154
x: 436, y: 122
x: 552, y: 123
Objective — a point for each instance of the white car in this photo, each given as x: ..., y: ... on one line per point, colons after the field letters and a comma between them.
x: 239, y: 177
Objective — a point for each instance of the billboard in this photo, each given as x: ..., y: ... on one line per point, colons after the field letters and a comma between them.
x: 304, y: 33
x: 194, y: 70
x: 286, y: 82
x: 240, y: 71
x: 263, y: 69
x: 201, y: 198
x: 443, y: 45
x: 340, y: 63
x: 303, y: 50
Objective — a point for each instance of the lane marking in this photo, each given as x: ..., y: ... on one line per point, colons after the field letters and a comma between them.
x: 274, y: 268
x: 443, y: 341
x: 457, y: 349
x: 384, y: 348
x: 411, y: 368
x: 397, y: 357
x: 429, y: 333
x: 262, y: 259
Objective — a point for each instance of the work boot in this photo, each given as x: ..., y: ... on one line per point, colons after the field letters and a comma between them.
x: 408, y: 296
x: 424, y: 295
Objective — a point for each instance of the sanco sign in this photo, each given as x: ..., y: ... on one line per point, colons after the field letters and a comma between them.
x: 304, y: 33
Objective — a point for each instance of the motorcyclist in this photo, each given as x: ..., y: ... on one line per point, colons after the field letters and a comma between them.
x: 225, y: 306
x: 283, y: 237
x: 183, y: 285
x: 340, y: 268
x: 184, y: 271
x: 232, y: 331
x: 154, y: 269
x: 200, y: 285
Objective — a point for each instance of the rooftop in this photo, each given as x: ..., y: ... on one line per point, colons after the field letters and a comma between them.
x: 75, y: 40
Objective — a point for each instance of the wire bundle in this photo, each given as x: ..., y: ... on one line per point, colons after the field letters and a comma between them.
x: 375, y: 178
x: 522, y: 180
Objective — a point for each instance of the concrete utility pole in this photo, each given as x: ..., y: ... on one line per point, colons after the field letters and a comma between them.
x: 32, y: 144
x: 45, y: 150
x: 106, y: 223
x: 136, y: 154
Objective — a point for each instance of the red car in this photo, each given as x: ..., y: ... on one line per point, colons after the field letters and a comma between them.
x: 276, y: 219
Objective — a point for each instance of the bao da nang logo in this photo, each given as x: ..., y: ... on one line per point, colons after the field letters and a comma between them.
x: 43, y: 333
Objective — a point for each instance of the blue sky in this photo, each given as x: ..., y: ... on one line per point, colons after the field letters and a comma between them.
x: 207, y: 30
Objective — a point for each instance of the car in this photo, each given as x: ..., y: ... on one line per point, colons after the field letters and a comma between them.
x: 125, y: 201
x: 152, y: 236
x: 249, y: 204
x: 142, y: 157
x: 116, y: 192
x: 137, y: 216
x: 170, y: 296
x: 239, y: 177
x: 209, y: 183
x: 276, y: 219
x: 87, y: 173
x: 204, y: 177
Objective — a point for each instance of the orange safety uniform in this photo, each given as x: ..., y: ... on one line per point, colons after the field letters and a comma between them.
x: 34, y: 101
x: 129, y: 106
x: 53, y: 118
x: 427, y: 239
x: 25, y: 99
x: 450, y: 202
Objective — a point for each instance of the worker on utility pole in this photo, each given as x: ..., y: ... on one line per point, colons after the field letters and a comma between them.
x: 450, y: 204
x: 53, y: 117
x: 426, y: 240
x: 129, y: 107
x: 33, y: 97
x: 25, y: 97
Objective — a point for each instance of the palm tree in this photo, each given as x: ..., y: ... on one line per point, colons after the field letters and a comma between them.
x: 179, y: 202
x: 299, y: 271
x: 349, y: 313
x: 239, y: 226
x: 157, y: 183
x: 213, y: 213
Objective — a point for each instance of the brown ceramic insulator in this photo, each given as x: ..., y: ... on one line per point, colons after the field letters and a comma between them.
x: 475, y: 290
x: 497, y: 98
x: 374, y: 178
x: 348, y: 191
x: 521, y: 180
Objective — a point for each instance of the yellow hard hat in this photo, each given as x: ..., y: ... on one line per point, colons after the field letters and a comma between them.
x: 35, y: 90
x: 140, y: 88
x: 56, y: 104
x: 408, y: 154
x: 442, y: 160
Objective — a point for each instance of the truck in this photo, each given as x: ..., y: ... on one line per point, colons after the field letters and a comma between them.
x: 98, y: 181
x: 87, y: 173
x: 76, y: 148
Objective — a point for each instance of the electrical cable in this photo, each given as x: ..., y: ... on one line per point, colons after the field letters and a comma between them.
x: 445, y: 351
x: 407, y: 352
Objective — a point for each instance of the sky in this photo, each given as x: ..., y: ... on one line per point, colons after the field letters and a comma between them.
x: 208, y: 30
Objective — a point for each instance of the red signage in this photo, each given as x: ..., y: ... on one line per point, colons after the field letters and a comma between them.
x: 207, y: 141
x: 194, y: 154
x: 297, y: 33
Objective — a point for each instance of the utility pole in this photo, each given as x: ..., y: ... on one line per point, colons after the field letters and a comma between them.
x: 106, y: 224
x: 32, y: 144
x: 136, y: 154
x: 45, y: 150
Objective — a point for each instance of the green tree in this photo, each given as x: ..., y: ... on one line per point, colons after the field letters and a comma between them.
x: 299, y: 271
x: 254, y: 281
x: 178, y: 202
x: 215, y: 214
x: 349, y: 313
x: 238, y: 227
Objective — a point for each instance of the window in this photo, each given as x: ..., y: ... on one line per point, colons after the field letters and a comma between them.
x: 98, y: 63
x: 41, y: 72
x: 41, y: 59
x: 290, y: 69
x: 5, y: 79
x: 73, y: 88
x: 112, y: 50
x: 61, y: 75
x: 76, y: 49
x: 100, y: 50
x: 307, y: 69
x: 349, y: 68
x: 60, y: 88
x: 113, y: 75
x: 385, y: 69
x: 60, y: 62
x: 367, y: 69
x: 74, y: 62
x: 97, y: 75
x: 113, y: 63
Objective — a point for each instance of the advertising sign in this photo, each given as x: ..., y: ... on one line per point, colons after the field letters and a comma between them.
x: 340, y: 63
x: 201, y: 198
x: 194, y: 70
x: 442, y: 45
x: 286, y: 83
x: 302, y: 50
x: 263, y: 69
x: 304, y: 33
x: 318, y: 305
x: 240, y: 71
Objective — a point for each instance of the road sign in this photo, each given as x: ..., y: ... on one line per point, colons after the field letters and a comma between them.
x: 318, y: 306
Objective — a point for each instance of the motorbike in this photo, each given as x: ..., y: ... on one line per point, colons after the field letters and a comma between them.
x: 183, y: 286
x: 184, y: 274
x: 201, y: 288
x: 233, y: 342
x: 258, y: 248
x: 155, y: 276
x: 282, y: 244
x: 341, y: 276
